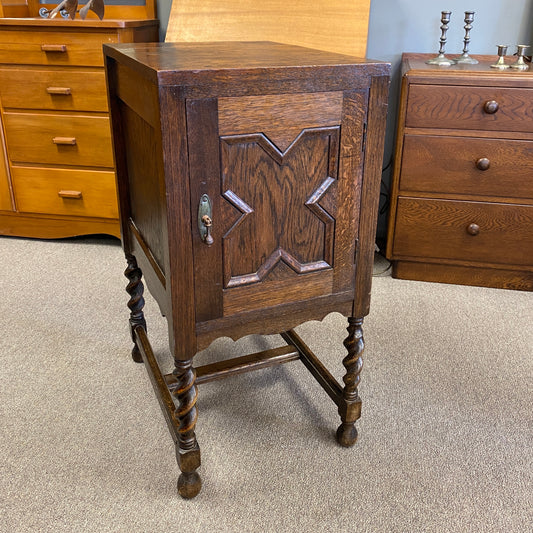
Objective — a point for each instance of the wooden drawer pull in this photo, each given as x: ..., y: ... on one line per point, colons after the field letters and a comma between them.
x: 490, y: 107
x: 54, y: 47
x: 58, y: 90
x: 75, y: 195
x: 71, y: 141
x: 483, y: 163
x: 472, y: 229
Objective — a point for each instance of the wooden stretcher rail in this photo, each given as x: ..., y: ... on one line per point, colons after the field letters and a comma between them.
x: 315, y: 366
x: 158, y: 381
x: 239, y: 365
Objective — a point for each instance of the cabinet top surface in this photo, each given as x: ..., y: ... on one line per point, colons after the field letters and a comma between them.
x: 414, y: 65
x: 167, y: 61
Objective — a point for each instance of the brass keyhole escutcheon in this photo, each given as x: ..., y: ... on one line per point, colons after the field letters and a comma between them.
x: 205, y: 221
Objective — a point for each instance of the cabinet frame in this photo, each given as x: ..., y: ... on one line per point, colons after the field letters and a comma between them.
x: 170, y: 131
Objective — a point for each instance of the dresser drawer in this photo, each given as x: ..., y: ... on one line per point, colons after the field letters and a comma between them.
x: 445, y: 229
x: 55, y: 191
x: 58, y: 139
x: 54, y: 47
x: 67, y: 90
x: 467, y: 165
x: 469, y: 108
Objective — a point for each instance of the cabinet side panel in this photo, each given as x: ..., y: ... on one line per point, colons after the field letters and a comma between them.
x: 144, y: 183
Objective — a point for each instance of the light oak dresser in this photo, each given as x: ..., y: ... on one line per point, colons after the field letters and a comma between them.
x: 462, y: 190
x: 57, y: 174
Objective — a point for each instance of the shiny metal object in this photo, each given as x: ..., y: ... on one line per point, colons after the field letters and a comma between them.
x: 205, y: 222
x: 69, y: 8
x: 502, y: 52
x: 45, y: 13
x: 464, y: 57
x: 473, y: 229
x: 441, y: 59
x: 520, y: 64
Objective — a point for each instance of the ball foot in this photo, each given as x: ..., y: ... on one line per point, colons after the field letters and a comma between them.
x: 136, y: 354
x: 346, y: 435
x: 189, y: 485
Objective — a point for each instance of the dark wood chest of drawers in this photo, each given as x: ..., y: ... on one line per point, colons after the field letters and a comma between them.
x: 462, y: 191
x: 248, y: 178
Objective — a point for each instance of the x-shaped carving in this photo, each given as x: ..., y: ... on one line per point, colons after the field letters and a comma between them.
x: 278, y: 229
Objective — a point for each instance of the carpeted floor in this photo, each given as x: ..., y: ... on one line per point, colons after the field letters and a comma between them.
x: 446, y: 435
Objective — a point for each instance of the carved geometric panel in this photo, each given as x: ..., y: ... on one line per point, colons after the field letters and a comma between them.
x: 280, y: 206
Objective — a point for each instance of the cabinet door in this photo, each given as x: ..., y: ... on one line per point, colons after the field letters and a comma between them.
x: 283, y: 178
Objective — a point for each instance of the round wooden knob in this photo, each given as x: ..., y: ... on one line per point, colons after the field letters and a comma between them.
x: 483, y: 163
x: 491, y: 106
x: 472, y: 229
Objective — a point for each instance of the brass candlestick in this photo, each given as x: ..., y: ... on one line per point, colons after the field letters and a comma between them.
x: 441, y: 60
x: 500, y: 64
x: 520, y: 64
x: 464, y: 57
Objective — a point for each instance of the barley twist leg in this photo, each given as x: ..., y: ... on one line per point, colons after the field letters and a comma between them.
x: 135, y: 289
x: 187, y: 451
x: 350, y: 409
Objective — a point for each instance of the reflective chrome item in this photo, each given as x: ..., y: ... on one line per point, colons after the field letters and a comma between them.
x: 45, y: 13
x: 441, y: 59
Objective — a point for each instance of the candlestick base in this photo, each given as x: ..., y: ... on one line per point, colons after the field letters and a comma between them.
x: 440, y: 60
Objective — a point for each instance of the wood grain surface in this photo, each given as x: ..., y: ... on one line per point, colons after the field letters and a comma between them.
x: 333, y: 25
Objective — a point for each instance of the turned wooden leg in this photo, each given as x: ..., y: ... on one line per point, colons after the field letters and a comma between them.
x: 135, y: 289
x: 350, y: 409
x: 187, y: 449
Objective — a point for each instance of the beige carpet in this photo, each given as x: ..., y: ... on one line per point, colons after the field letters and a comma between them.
x: 445, y: 438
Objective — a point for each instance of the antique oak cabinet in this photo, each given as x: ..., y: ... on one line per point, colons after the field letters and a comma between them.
x: 248, y: 177
x: 462, y: 191
x: 56, y: 168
